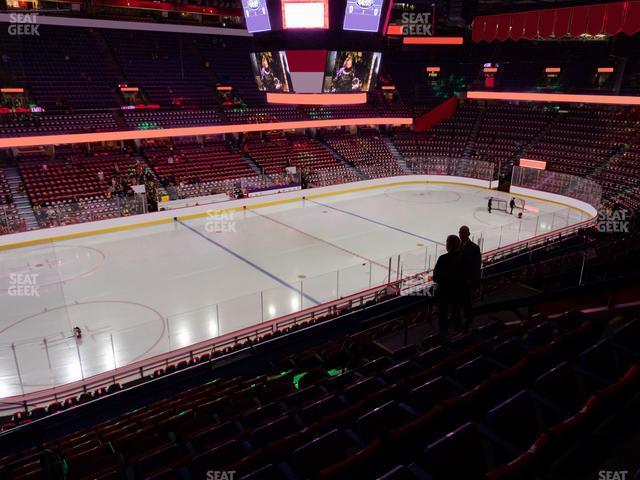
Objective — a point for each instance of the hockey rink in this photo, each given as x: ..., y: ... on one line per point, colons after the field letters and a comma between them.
x: 144, y: 291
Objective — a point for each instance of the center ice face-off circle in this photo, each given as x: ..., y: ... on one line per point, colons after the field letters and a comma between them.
x: 421, y: 195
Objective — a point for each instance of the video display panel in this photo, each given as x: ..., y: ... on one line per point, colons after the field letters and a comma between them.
x: 256, y: 15
x: 363, y: 15
x: 271, y: 71
x: 351, y: 71
x: 305, y: 14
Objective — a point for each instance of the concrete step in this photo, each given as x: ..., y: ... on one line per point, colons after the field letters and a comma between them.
x: 397, y: 156
x: 252, y: 163
x: 20, y: 199
x: 343, y: 160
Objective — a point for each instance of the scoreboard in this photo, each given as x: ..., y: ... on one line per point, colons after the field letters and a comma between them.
x: 363, y: 15
x: 305, y: 14
x: 316, y: 71
x: 335, y: 15
x: 329, y: 50
x: 256, y: 15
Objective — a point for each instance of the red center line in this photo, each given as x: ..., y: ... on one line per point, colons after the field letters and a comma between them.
x: 321, y: 240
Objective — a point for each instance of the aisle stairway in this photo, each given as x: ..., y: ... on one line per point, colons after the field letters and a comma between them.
x: 342, y: 159
x: 20, y: 199
x: 397, y: 156
x: 252, y: 163
x: 473, y: 135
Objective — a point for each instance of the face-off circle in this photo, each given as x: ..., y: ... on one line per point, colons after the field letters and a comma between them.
x: 50, y: 266
x: 427, y: 197
x: 99, y: 321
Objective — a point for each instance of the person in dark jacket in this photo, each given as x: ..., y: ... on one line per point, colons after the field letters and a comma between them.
x: 448, y: 275
x: 471, y: 265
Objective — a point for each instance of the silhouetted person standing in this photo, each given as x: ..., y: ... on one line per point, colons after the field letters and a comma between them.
x: 448, y: 275
x: 512, y: 205
x: 471, y: 265
x: 489, y: 204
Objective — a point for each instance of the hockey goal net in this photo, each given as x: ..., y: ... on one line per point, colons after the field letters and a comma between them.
x: 504, y: 204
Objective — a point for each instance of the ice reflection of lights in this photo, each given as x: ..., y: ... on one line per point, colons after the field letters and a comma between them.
x: 5, y: 390
x: 212, y: 324
x: 183, y: 337
x: 72, y: 371
x: 107, y: 353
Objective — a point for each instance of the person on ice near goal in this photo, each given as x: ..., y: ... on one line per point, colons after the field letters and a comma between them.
x: 490, y: 204
x: 512, y: 205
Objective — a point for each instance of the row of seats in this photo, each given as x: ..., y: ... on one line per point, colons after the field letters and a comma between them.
x: 366, y: 151
x: 163, y: 65
x: 39, y: 124
x: 70, y: 212
x: 27, y: 124
x: 619, y: 177
x: 333, y: 176
x: 443, y: 408
x: 589, y: 142
x: 448, y: 139
x: 78, y: 187
x: 194, y: 163
x: 61, y: 67
x: 599, y: 143
x: 507, y: 129
x: 276, y: 152
x: 75, y: 177
x: 155, y: 119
